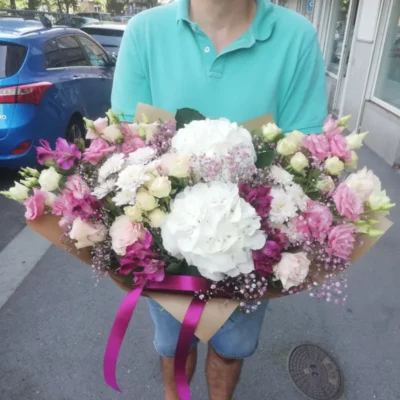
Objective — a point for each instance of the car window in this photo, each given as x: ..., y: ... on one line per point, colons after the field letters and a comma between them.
x: 95, y: 53
x: 11, y: 59
x: 103, y: 32
x: 52, y: 55
x: 71, y: 52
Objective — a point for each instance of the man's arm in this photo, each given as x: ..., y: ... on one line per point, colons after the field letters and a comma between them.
x: 131, y: 83
x: 304, y: 106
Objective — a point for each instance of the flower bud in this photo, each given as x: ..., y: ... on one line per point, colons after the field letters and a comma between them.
x: 334, y: 166
x: 134, y: 213
x: 286, y: 147
x: 354, y: 141
x: 156, y: 217
x: 299, y: 161
x: 270, y: 132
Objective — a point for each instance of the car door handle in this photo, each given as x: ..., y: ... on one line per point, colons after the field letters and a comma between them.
x: 102, y: 77
x: 76, y: 77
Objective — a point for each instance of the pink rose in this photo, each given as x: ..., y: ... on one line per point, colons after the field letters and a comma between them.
x: 331, y: 127
x: 318, y: 145
x: 341, y: 241
x: 138, y: 143
x: 35, y: 205
x: 315, y: 222
x: 339, y: 147
x: 123, y: 233
x: 98, y: 149
x: 77, y: 186
x: 347, y: 203
x: 100, y: 125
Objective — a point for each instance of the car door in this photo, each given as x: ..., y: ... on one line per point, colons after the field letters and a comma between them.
x: 78, y: 70
x: 102, y: 71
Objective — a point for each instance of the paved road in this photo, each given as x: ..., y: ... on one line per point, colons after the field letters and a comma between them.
x: 54, y: 327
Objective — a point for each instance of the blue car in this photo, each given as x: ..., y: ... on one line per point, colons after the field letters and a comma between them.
x: 49, y: 79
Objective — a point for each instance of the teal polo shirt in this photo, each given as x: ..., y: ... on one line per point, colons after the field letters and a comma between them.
x: 276, y: 66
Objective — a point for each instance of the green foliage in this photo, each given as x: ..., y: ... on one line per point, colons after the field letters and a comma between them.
x: 265, y: 158
x: 186, y: 115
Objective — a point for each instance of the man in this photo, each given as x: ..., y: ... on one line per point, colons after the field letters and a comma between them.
x: 238, y: 59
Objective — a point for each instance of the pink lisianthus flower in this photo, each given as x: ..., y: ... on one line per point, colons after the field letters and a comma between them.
x: 126, y: 148
x: 347, y: 203
x: 341, y: 241
x: 98, y: 149
x: 78, y: 187
x: 317, y: 145
x: 339, y: 147
x: 331, y: 127
x: 44, y: 152
x: 35, y: 205
x: 138, y: 143
x: 66, y: 154
x: 124, y: 233
x: 100, y: 125
x: 260, y: 198
x: 315, y: 222
x: 63, y: 204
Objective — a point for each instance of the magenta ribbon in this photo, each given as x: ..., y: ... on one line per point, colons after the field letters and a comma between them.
x: 190, y: 322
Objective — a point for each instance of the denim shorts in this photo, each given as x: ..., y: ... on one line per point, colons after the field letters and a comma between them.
x: 237, y: 339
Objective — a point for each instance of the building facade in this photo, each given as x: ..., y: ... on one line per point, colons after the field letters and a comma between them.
x: 360, y: 40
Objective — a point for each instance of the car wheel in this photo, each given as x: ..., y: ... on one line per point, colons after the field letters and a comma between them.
x: 75, y: 129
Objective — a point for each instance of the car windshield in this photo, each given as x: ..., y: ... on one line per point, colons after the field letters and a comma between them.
x: 11, y: 59
x: 106, y: 17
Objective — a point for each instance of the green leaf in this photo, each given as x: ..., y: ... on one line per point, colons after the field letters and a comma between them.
x: 265, y: 159
x: 128, y: 280
x: 186, y: 115
x: 174, y: 269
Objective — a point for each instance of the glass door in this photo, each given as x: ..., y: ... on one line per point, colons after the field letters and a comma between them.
x: 340, y: 35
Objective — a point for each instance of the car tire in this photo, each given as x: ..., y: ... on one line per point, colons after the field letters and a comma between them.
x: 75, y: 130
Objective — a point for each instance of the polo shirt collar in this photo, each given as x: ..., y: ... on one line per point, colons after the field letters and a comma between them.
x: 261, y: 27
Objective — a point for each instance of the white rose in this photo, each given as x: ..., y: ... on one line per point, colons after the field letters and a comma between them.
x: 18, y: 192
x: 49, y: 179
x: 286, y: 147
x: 112, y: 133
x: 214, y: 229
x: 134, y: 213
x: 326, y: 184
x: 159, y: 187
x: 334, y: 166
x: 123, y: 233
x: 213, y: 138
x: 270, y: 132
x: 156, y: 217
x: 363, y: 183
x: 354, y: 161
x: 292, y: 270
x: 354, y: 141
x: 299, y: 161
x: 147, y: 131
x: 86, y: 234
x: 175, y: 164
x: 145, y: 200
x: 296, y: 137
x: 379, y: 200
x: 50, y: 199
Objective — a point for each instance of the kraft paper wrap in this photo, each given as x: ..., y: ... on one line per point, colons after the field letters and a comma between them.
x: 216, y: 311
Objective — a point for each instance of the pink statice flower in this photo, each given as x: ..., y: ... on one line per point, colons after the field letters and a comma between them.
x: 331, y: 127
x: 315, y: 222
x: 339, y: 147
x: 97, y: 150
x: 347, y: 203
x: 35, y: 205
x: 142, y: 261
x: 100, y: 125
x: 341, y: 241
x: 66, y: 154
x: 317, y: 145
x: 44, y: 152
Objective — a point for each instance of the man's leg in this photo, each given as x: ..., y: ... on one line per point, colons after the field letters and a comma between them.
x: 236, y: 340
x: 167, y: 330
x: 167, y: 367
x: 222, y: 375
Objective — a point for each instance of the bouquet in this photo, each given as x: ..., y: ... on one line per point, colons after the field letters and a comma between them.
x: 240, y: 213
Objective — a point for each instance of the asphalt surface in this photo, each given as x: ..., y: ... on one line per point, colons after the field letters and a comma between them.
x: 54, y: 326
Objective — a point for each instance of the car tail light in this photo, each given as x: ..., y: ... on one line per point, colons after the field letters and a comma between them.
x: 21, y: 148
x: 31, y: 93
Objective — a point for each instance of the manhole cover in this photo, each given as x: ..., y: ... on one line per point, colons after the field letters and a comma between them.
x: 315, y: 373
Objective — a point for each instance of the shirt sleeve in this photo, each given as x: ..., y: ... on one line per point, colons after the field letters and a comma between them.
x: 304, y: 106
x: 131, y: 83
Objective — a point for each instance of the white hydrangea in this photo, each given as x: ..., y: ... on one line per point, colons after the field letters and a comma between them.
x: 213, y: 138
x: 214, y: 229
